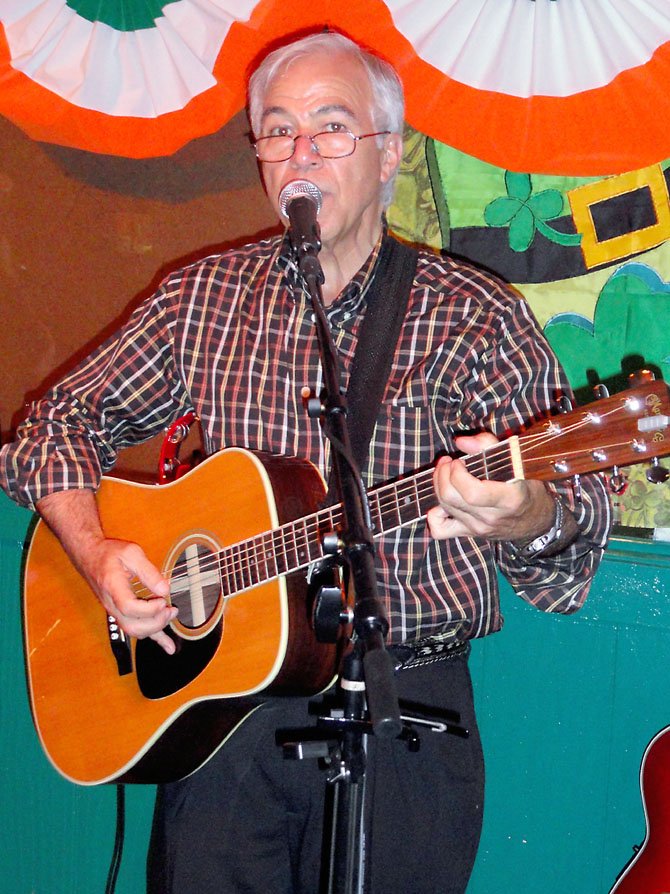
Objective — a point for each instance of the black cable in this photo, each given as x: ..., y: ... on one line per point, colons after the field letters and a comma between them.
x: 115, y: 864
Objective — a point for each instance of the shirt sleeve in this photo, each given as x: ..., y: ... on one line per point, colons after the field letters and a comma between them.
x: 124, y: 393
x: 517, y: 379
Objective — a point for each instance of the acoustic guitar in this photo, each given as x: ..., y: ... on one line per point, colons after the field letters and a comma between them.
x: 235, y: 537
x: 649, y: 870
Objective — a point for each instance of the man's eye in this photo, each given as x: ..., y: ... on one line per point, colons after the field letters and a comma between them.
x: 335, y: 127
x: 279, y: 131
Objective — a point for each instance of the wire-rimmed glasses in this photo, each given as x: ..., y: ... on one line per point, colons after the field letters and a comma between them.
x: 328, y: 144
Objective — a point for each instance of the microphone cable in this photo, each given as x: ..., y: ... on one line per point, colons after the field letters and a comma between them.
x: 120, y: 831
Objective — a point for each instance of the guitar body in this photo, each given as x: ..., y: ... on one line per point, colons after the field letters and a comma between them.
x: 165, y: 718
x: 649, y: 870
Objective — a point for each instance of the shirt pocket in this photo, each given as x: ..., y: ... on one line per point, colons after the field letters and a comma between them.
x: 406, y: 437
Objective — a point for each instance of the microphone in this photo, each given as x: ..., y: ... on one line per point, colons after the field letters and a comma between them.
x: 300, y: 201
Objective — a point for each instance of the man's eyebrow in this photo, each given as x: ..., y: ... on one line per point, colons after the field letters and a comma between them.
x: 329, y: 108
x: 273, y: 110
x: 326, y: 109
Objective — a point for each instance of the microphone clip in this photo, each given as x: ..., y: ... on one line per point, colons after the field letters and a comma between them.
x: 304, y: 231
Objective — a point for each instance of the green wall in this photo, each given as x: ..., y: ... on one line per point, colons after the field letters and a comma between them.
x: 566, y: 706
x: 57, y: 838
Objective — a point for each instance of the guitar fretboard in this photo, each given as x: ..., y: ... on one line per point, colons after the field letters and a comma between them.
x: 298, y: 544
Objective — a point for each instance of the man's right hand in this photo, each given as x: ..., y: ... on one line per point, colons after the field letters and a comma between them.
x: 110, y: 566
x: 109, y: 569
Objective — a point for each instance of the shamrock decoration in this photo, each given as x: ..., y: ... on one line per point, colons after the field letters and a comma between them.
x: 525, y: 213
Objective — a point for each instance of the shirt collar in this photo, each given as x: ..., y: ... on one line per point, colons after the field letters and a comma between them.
x: 352, y: 301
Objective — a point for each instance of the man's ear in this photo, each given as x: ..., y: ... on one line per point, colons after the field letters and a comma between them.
x: 391, y: 156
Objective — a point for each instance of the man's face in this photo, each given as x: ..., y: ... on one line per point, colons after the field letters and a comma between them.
x: 322, y: 92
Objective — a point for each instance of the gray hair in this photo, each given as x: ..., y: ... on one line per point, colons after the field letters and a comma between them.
x: 387, y: 91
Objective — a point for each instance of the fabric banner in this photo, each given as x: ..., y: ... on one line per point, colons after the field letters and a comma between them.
x: 544, y: 86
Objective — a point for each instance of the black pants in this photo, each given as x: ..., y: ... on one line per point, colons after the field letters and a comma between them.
x: 250, y: 822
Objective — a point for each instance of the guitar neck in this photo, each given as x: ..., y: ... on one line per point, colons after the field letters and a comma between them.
x: 625, y: 429
x: 298, y: 544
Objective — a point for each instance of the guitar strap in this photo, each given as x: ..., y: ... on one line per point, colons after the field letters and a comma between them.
x: 387, y: 300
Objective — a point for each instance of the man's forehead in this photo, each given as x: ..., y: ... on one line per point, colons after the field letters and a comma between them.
x: 322, y: 83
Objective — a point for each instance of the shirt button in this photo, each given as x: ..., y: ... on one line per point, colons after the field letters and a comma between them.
x: 346, y: 315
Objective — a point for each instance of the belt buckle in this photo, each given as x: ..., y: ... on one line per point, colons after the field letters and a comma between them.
x: 427, y: 651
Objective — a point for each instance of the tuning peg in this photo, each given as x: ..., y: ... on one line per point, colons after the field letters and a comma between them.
x: 617, y: 481
x: 657, y: 473
x: 577, y: 488
x: 564, y: 404
x: 640, y: 377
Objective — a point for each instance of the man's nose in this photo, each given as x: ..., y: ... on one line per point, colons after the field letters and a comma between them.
x: 304, y: 152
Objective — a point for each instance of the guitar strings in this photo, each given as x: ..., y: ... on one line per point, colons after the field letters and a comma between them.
x: 529, y: 443
x: 233, y: 561
x: 554, y: 430
x: 238, y: 561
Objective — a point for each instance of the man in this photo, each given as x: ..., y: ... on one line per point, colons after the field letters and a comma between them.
x: 232, y: 338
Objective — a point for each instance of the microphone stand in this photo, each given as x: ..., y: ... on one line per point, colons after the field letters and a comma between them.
x: 366, y: 678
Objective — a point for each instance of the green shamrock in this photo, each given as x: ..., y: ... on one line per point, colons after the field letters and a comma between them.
x: 525, y: 213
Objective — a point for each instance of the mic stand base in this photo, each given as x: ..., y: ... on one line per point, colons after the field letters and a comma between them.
x: 338, y: 742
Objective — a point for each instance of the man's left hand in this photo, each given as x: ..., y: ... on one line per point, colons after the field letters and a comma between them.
x: 468, y: 507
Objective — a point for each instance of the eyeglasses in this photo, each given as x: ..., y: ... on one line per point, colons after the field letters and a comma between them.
x: 328, y: 144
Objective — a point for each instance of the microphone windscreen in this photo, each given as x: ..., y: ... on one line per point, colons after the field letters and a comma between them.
x: 299, y: 188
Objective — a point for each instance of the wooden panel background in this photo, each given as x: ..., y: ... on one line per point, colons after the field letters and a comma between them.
x: 84, y: 237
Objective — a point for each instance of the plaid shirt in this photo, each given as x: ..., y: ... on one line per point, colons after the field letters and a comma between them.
x: 232, y: 338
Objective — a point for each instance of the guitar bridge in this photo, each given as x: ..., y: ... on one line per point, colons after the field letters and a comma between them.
x: 120, y: 647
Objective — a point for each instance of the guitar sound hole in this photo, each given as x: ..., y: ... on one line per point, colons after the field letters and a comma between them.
x: 195, y: 587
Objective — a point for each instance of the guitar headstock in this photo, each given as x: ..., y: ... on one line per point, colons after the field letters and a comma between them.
x: 623, y: 430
